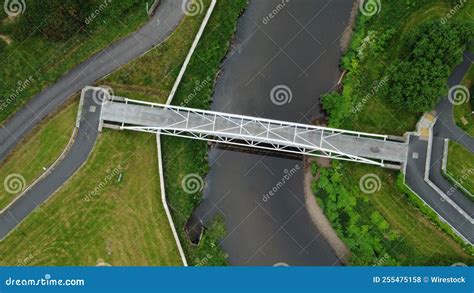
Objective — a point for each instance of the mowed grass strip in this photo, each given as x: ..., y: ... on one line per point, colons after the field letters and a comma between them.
x: 38, y: 152
x: 110, y: 212
x: 461, y: 166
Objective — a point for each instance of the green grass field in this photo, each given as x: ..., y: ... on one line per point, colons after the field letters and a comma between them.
x: 45, y: 61
x: 124, y: 223
x: 40, y: 150
x: 460, y: 166
x: 463, y: 113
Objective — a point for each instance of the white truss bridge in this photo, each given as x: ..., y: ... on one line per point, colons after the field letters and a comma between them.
x: 240, y: 130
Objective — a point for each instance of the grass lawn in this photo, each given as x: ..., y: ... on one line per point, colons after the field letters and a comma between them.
x: 123, y: 224
x: 461, y: 166
x: 463, y: 113
x: 420, y: 241
x: 45, y: 61
x: 40, y: 149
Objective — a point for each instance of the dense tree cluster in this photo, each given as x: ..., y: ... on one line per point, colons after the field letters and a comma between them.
x: 419, y: 78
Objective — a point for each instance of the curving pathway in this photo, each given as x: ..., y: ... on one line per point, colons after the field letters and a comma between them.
x: 445, y: 127
x: 169, y: 14
x: 40, y: 192
x: 160, y: 26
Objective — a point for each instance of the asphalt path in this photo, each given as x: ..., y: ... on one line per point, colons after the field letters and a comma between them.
x: 445, y: 127
x: 414, y: 178
x: 168, y: 15
x: 77, y: 155
x: 160, y: 26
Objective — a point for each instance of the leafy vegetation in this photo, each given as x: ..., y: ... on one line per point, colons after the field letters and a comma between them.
x: 41, y: 53
x: 379, y: 45
x: 460, y: 167
x: 418, y: 79
x: 379, y: 227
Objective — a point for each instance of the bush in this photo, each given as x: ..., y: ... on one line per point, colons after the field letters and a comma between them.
x: 337, y: 108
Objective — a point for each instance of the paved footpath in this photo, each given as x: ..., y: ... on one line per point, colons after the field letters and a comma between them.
x: 74, y: 159
x: 160, y: 26
x: 456, y: 215
x: 170, y: 14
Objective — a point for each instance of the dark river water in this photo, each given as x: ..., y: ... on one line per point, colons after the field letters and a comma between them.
x: 294, y: 55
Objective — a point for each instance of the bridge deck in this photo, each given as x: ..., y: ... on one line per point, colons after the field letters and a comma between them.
x: 253, y: 131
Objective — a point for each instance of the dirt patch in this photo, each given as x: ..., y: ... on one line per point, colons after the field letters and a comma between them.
x: 316, y: 213
x: 347, y: 34
x: 7, y: 39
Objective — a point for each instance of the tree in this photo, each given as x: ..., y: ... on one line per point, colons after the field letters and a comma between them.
x: 429, y: 53
x: 336, y: 106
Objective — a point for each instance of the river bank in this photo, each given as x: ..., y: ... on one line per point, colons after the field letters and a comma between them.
x: 267, y: 55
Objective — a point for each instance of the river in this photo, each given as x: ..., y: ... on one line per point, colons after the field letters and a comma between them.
x: 288, y: 48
